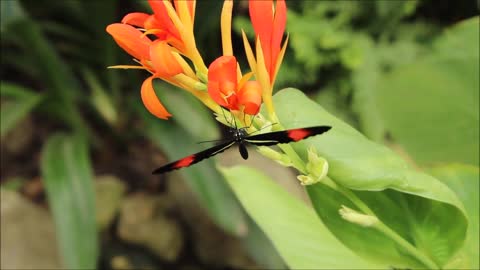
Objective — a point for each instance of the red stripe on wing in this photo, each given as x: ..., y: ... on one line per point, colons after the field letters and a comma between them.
x: 195, y: 158
x: 298, y: 134
x: 184, y: 162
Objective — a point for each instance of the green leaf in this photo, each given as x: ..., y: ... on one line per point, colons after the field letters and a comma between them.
x: 100, y: 98
x: 204, y: 180
x: 431, y: 106
x: 15, y: 110
x: 300, y: 237
x: 465, y: 181
x: 416, y: 206
x: 413, y: 218
x: 67, y: 174
x: 261, y: 248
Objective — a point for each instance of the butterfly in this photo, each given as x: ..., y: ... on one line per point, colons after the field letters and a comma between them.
x: 242, y: 138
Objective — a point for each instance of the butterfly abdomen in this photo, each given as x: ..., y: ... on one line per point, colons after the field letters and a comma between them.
x: 243, y: 150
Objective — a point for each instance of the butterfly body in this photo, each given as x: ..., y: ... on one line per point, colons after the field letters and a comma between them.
x: 241, y: 137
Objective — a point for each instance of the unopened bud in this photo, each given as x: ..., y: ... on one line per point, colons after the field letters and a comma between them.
x: 353, y: 216
x: 316, y: 166
x: 306, y: 180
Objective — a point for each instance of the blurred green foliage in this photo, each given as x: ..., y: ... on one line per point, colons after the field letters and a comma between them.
x: 388, y: 68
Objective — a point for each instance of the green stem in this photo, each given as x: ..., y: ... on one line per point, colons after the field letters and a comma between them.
x: 406, y: 245
x: 357, y: 201
x: 297, y: 162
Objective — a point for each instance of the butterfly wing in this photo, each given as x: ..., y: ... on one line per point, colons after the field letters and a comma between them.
x: 195, y: 158
x: 286, y: 136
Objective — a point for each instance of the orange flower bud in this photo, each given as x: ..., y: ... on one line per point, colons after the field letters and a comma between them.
x: 131, y: 40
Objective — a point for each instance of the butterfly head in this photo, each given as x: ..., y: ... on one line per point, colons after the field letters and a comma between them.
x: 239, y: 134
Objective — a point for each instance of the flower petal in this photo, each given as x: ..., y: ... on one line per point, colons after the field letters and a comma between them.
x: 261, y: 15
x: 136, y: 19
x: 250, y: 96
x: 164, y: 63
x: 161, y: 15
x: 224, y: 68
x: 269, y: 25
x: 279, y: 23
x: 226, y: 27
x: 131, y: 40
x: 184, y: 12
x: 190, y: 7
x: 222, y: 81
x: 151, y: 101
x: 152, y: 23
x: 215, y: 94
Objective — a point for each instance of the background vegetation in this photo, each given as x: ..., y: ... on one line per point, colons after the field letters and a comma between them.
x: 76, y: 140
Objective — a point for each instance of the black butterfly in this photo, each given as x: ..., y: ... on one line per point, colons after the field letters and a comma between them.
x: 241, y: 137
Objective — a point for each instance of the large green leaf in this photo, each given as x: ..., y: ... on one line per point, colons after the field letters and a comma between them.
x: 203, y: 179
x: 418, y: 207
x: 465, y: 181
x: 261, y: 248
x: 13, y: 111
x: 431, y: 106
x: 299, y: 236
x: 67, y: 174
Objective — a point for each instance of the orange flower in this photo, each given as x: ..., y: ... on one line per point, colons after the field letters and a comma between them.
x: 160, y: 24
x: 269, y: 26
x: 155, y: 56
x: 227, y: 91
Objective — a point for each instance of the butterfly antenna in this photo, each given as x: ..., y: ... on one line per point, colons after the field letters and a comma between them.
x: 244, y: 118
x: 234, y: 122
x: 251, y: 120
x: 225, y: 117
